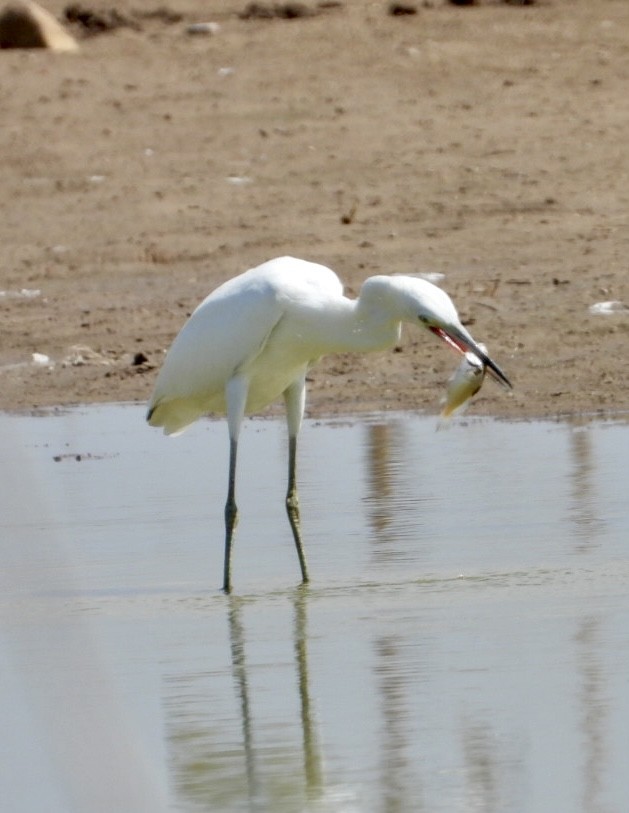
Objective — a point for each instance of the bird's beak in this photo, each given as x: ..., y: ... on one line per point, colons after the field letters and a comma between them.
x: 460, y: 339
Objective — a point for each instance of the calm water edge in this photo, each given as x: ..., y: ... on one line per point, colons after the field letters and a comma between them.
x: 463, y: 645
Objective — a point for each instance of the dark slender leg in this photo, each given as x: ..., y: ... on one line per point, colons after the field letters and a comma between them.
x: 231, y: 515
x: 292, y: 505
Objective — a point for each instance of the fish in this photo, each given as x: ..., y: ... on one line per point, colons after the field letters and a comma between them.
x: 466, y: 382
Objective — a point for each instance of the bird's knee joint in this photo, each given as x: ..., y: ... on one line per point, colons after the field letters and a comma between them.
x: 231, y: 516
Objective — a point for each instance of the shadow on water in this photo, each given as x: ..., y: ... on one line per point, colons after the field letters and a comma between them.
x: 464, y: 643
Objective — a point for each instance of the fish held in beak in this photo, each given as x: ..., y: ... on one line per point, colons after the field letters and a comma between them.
x: 466, y: 382
x: 458, y: 338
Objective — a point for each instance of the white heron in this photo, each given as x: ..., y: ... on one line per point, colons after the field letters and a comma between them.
x: 254, y: 338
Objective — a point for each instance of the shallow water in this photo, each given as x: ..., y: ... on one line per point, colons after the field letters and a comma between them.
x: 464, y: 644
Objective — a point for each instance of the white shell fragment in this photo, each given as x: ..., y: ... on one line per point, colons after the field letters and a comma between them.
x: 466, y: 382
x: 23, y: 293
x: 238, y: 180
x: 203, y: 29
x: 604, y: 308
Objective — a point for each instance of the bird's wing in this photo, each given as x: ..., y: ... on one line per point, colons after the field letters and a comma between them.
x: 226, y: 333
x: 227, y: 330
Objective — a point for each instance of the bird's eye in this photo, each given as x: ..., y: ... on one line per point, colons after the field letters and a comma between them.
x: 423, y: 319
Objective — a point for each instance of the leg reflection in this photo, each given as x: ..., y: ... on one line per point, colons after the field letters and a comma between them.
x: 312, y: 754
x: 311, y: 785
x: 239, y: 669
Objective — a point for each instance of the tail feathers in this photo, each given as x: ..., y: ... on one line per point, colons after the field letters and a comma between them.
x: 174, y: 416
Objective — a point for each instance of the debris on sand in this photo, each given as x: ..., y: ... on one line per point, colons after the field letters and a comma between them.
x: 402, y: 9
x: 80, y: 355
x: 267, y: 11
x: 94, y: 22
x: 285, y: 11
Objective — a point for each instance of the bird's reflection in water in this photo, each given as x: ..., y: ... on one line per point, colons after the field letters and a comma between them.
x: 239, y: 668
x: 258, y: 789
x: 248, y: 755
x: 589, y: 526
x: 312, y: 754
x: 396, y: 762
x: 380, y: 480
x: 392, y: 495
x: 594, y: 702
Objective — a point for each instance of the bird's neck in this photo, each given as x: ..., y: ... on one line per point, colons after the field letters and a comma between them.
x: 360, y: 325
x: 374, y: 328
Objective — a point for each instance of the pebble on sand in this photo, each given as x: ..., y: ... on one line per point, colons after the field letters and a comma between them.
x: 25, y: 24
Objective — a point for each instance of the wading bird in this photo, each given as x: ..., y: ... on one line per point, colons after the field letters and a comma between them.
x: 254, y: 338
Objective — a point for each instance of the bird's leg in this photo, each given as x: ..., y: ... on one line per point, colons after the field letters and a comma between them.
x: 231, y: 515
x: 236, y: 397
x: 292, y: 505
x: 295, y: 399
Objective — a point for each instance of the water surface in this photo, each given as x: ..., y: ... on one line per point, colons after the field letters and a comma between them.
x: 464, y: 644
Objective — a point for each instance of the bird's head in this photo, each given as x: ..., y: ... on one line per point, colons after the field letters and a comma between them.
x: 434, y: 309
